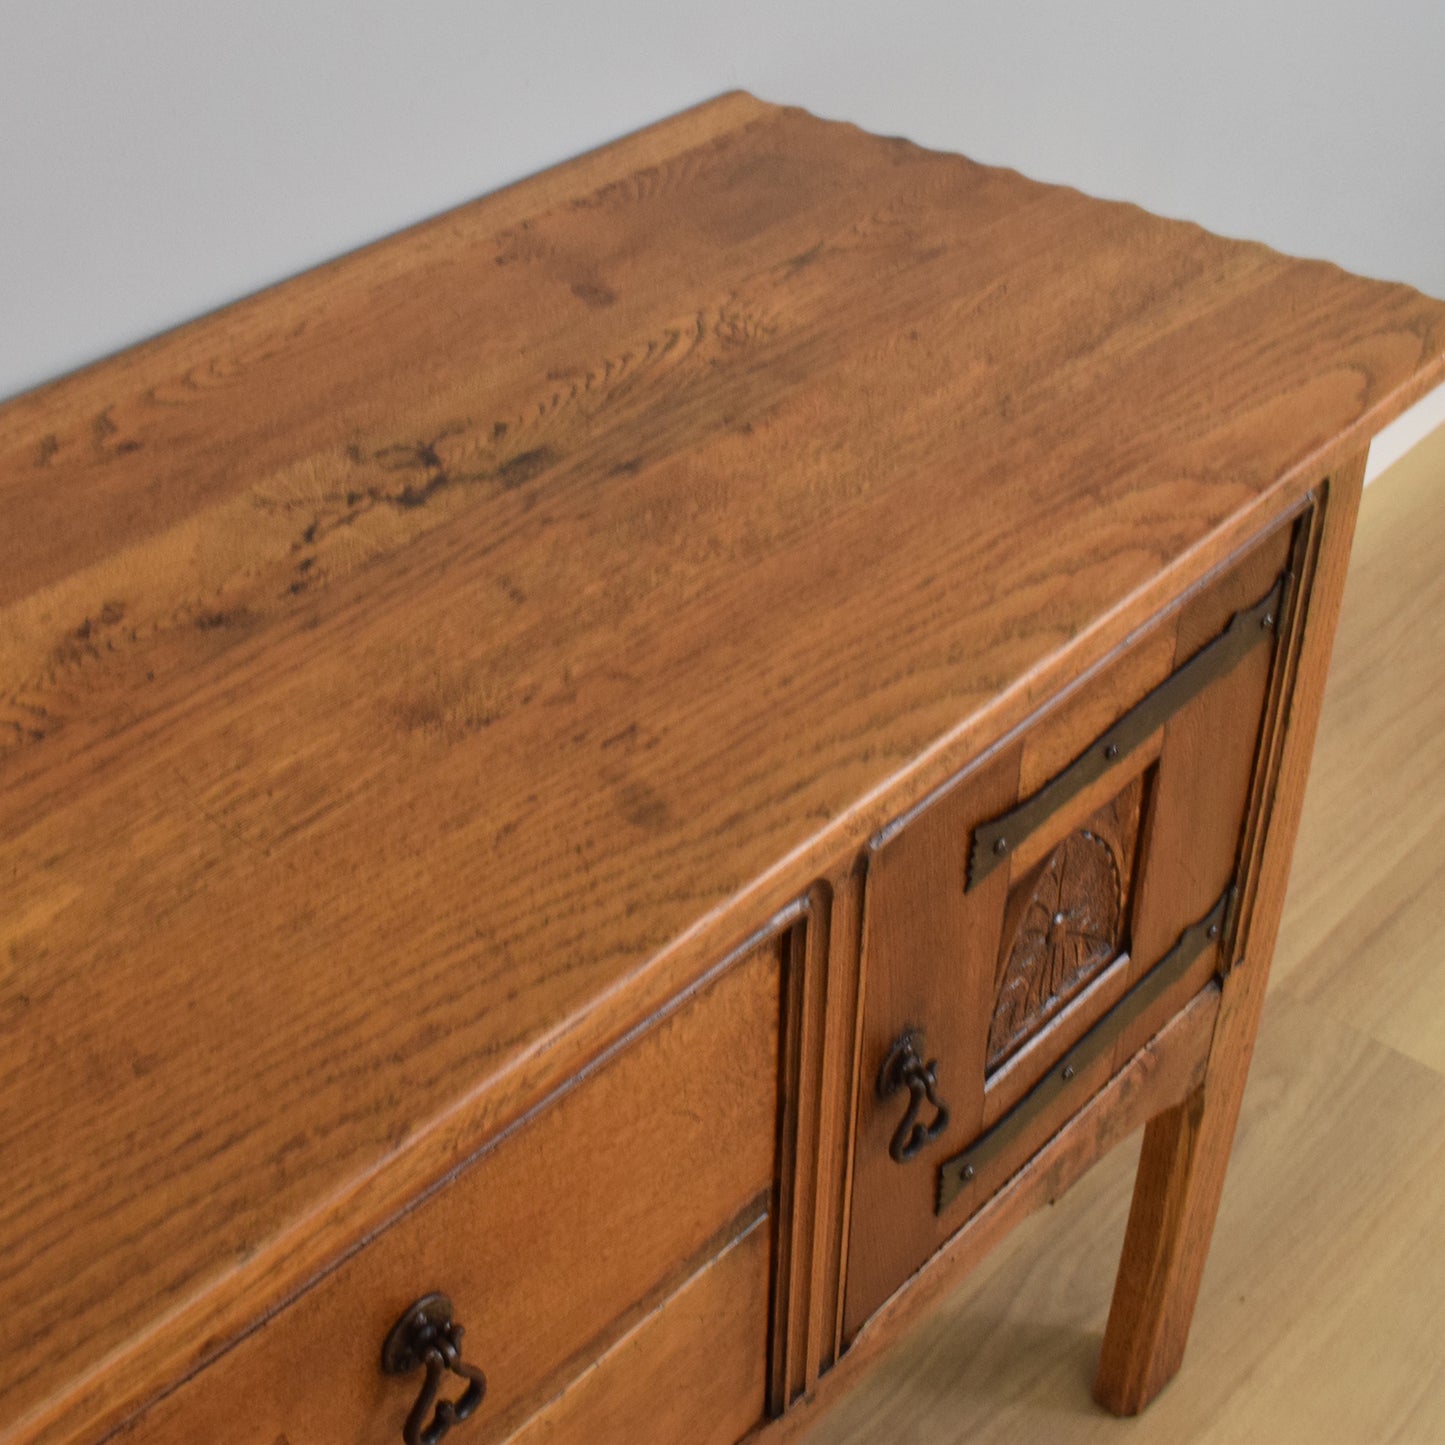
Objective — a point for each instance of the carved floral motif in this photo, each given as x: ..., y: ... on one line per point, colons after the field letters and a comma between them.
x: 1069, y: 929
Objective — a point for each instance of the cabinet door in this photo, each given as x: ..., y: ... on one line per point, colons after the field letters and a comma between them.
x: 1032, y: 925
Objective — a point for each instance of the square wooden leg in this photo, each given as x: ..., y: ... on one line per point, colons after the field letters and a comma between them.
x: 1176, y: 1195
x: 1186, y: 1149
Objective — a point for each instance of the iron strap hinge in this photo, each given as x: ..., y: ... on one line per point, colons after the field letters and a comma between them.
x: 994, y: 840
x: 957, y: 1173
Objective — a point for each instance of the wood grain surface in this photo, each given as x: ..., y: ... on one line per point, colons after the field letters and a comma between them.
x: 1327, y: 1256
x: 411, y: 676
x: 691, y: 1371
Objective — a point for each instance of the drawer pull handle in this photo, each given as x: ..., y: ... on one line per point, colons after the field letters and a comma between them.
x: 904, y: 1069
x: 426, y: 1335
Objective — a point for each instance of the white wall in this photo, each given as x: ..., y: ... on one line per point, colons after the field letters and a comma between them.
x: 159, y: 157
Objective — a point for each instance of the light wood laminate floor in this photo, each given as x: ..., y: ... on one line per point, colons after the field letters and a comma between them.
x: 1322, y: 1316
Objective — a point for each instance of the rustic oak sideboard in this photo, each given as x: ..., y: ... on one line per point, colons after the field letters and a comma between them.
x: 597, y: 797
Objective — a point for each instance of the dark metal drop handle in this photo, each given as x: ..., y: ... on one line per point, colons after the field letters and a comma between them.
x: 427, y: 1336
x: 904, y: 1068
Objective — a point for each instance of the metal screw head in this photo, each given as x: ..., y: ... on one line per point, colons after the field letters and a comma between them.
x: 1214, y: 930
x: 966, y: 1173
x: 426, y: 1322
x: 1267, y: 621
x: 1000, y: 846
x: 1112, y: 751
x: 1068, y: 1071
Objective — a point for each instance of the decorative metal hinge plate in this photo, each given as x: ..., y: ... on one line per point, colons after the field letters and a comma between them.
x: 957, y: 1173
x: 995, y: 840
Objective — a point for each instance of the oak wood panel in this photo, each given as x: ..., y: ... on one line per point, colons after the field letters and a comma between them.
x: 545, y: 1244
x: 387, y: 664
x: 1209, y: 753
x: 692, y: 1371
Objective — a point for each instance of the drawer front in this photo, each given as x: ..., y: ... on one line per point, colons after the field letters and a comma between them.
x: 1034, y: 924
x: 557, y: 1245
x: 691, y: 1373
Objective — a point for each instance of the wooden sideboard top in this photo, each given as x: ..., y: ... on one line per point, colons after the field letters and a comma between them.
x: 411, y: 675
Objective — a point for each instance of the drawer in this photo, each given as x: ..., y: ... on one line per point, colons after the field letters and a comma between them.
x: 1032, y: 925
x: 592, y: 1231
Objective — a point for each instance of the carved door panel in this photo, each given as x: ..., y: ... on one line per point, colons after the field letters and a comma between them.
x: 1031, y: 926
